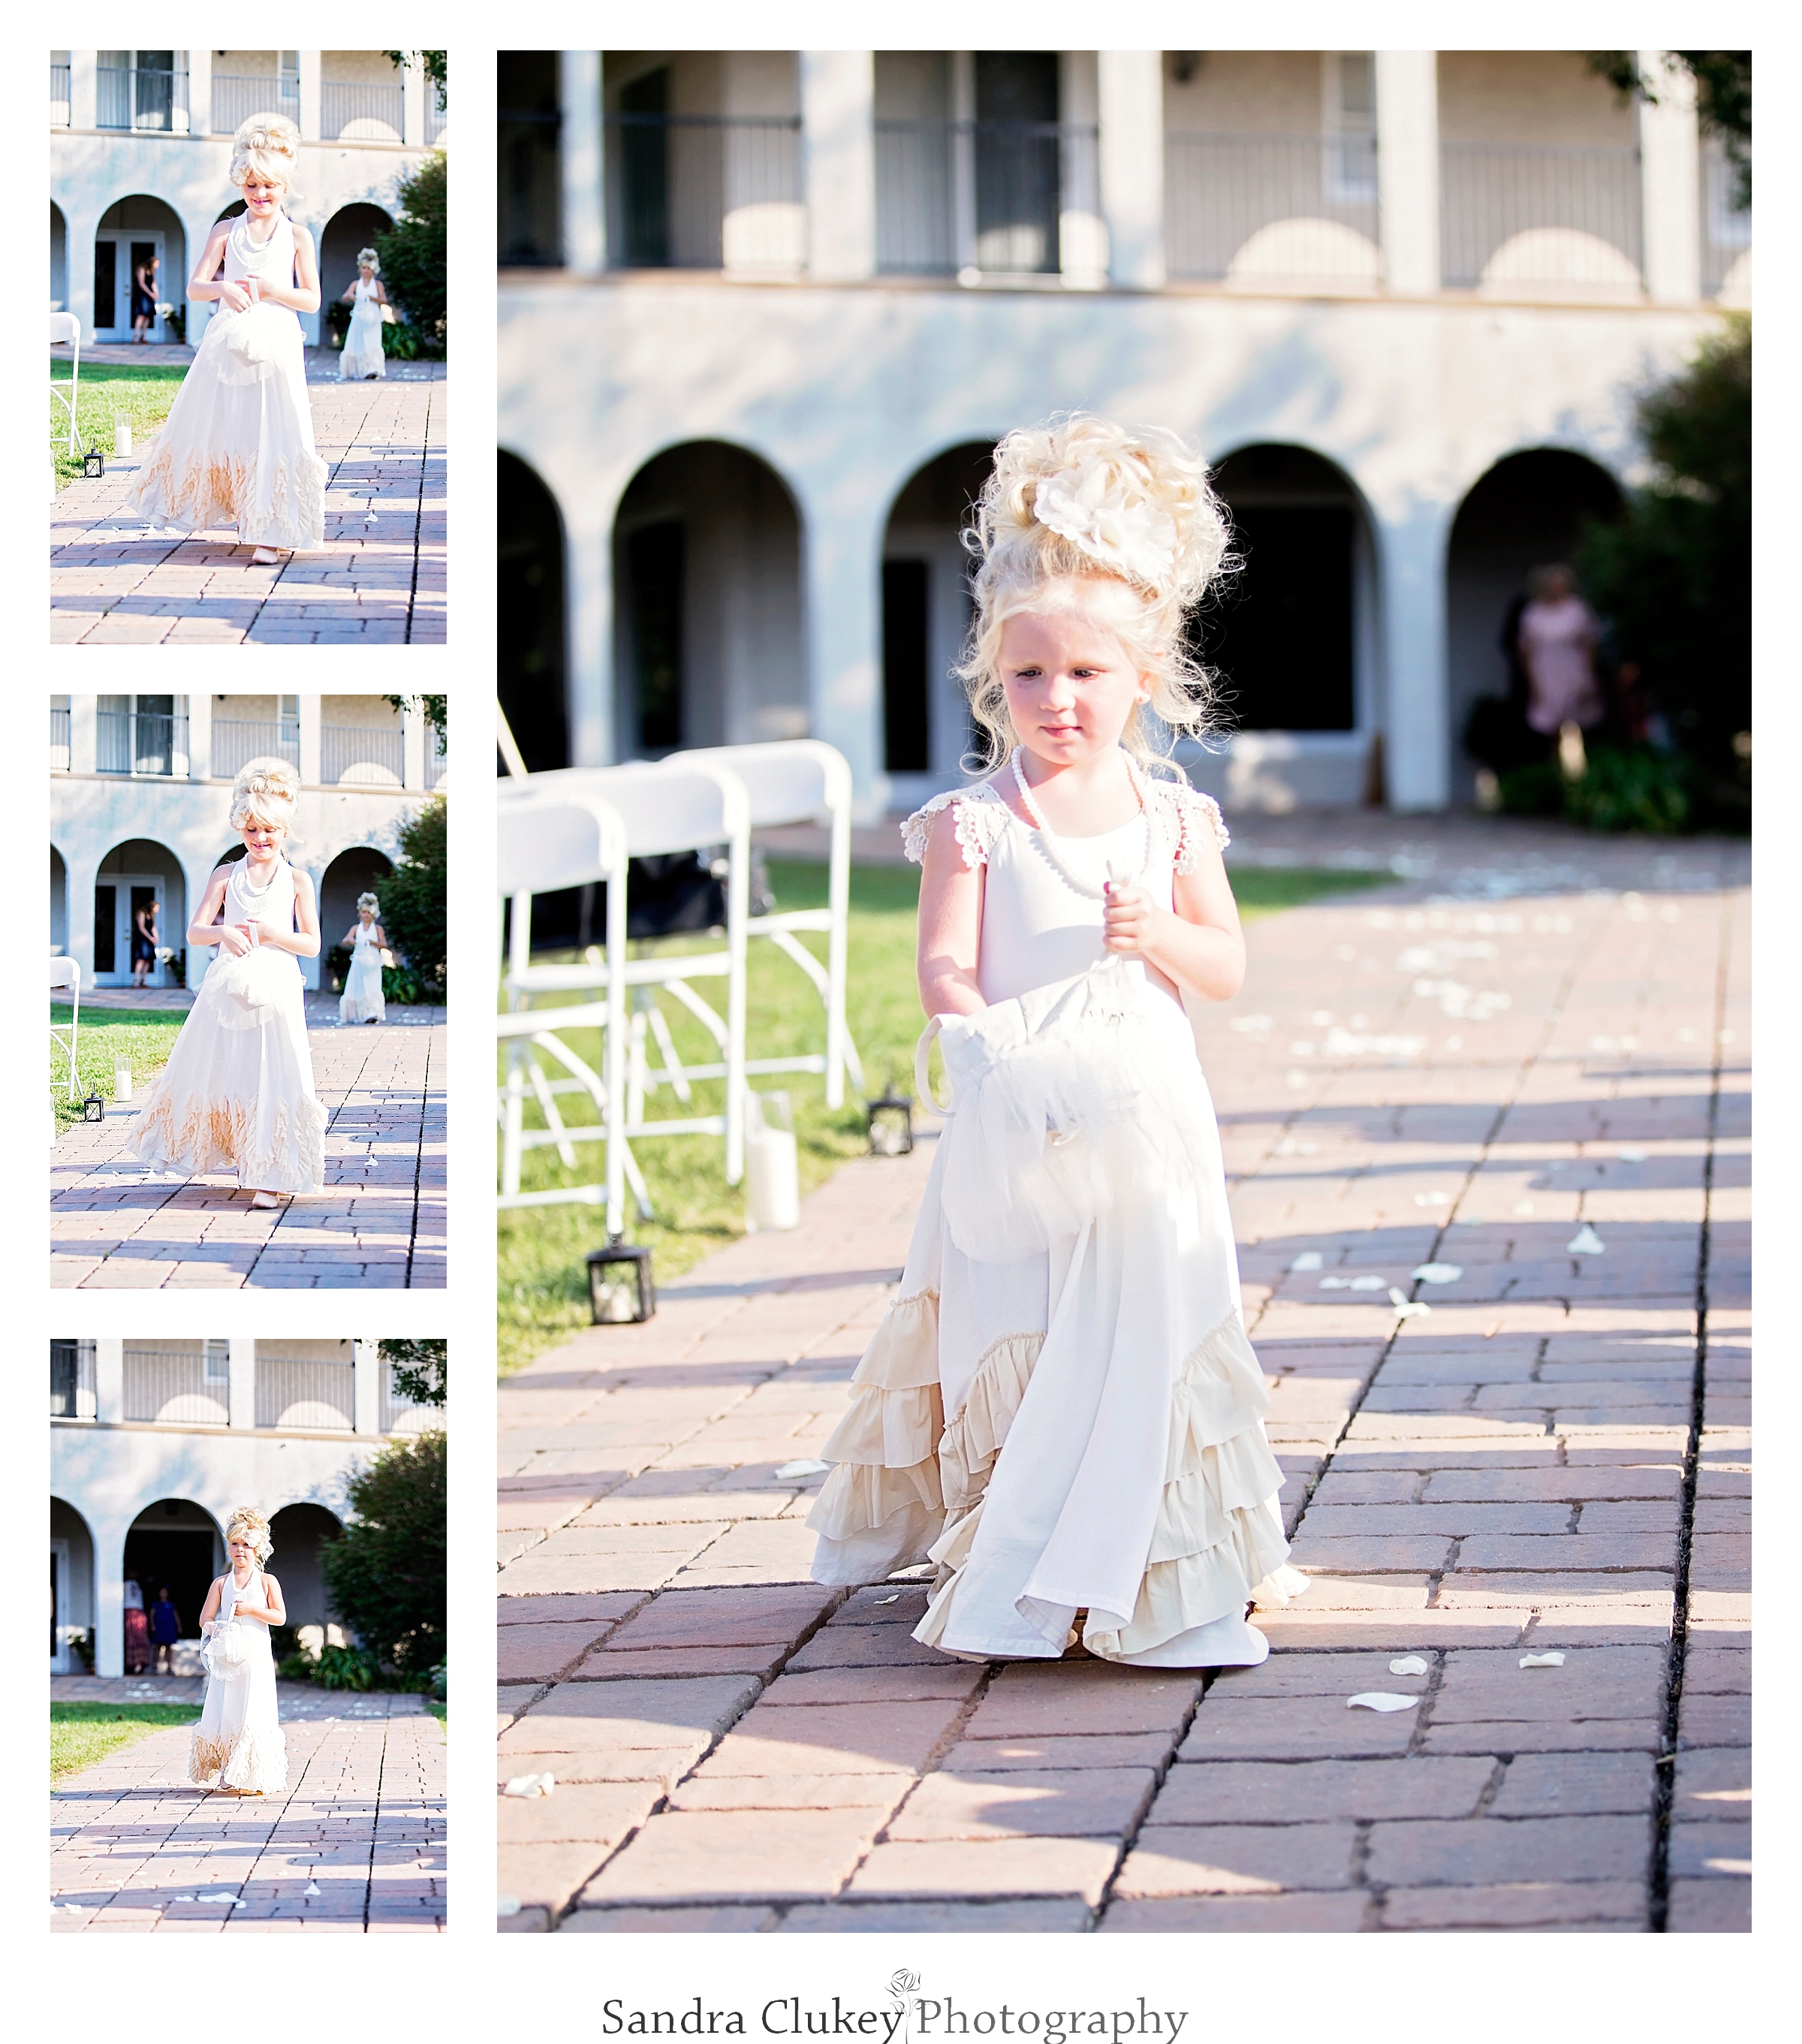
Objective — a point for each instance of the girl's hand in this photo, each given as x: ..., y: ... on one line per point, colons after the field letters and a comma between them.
x: 235, y: 940
x: 1129, y: 918
x: 235, y: 298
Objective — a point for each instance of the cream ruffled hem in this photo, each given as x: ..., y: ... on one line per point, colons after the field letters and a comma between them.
x: 196, y: 492
x: 215, y: 1136
x: 253, y: 1763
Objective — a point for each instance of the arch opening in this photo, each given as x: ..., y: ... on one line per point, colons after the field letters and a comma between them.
x: 59, y: 904
x: 135, y: 876
x: 134, y: 231
x: 71, y: 1590
x: 359, y: 869
x: 59, y: 259
x: 532, y: 676
x: 351, y: 228
x: 299, y: 1534
x: 173, y: 1544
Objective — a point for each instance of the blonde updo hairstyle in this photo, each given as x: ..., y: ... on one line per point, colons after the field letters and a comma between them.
x: 370, y: 902
x: 248, y: 1524
x: 266, y: 146
x: 265, y: 792
x: 367, y: 258
x: 1118, y: 521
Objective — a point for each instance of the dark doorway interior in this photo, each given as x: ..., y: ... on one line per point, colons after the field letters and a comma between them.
x: 906, y: 724
x: 1018, y: 149
x: 530, y: 680
x: 105, y: 282
x: 645, y: 166
x: 653, y: 597
x: 527, y: 122
x: 182, y: 1558
x: 105, y: 907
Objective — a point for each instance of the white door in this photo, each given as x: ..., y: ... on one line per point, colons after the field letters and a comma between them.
x: 117, y: 896
x: 118, y: 253
x: 62, y: 1662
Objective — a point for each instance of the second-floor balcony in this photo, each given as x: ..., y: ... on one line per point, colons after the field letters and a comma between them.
x: 236, y: 741
x: 234, y: 99
x: 141, y: 741
x: 361, y: 755
x: 698, y: 191
x: 188, y: 1384
x: 59, y: 95
x: 1257, y: 209
x: 143, y: 97
x: 985, y: 198
x: 361, y: 112
x: 1513, y: 214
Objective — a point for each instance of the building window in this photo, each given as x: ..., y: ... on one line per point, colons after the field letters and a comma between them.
x: 72, y: 1380
x: 527, y: 136
x: 1350, y: 96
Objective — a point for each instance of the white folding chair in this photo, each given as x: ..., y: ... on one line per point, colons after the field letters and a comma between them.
x: 661, y: 809
x: 791, y: 781
x: 65, y: 326
x: 66, y: 976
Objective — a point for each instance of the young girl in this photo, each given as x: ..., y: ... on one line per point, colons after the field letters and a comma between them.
x: 362, y: 355
x: 1061, y: 1408
x: 236, y: 1093
x: 361, y: 1001
x: 238, y: 1744
x: 236, y: 447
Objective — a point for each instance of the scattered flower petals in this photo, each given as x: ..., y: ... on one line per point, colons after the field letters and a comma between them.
x: 1438, y: 1273
x: 1309, y: 1259
x: 1335, y: 1283
x: 895, y: 1599
x: 1631, y: 1156
x: 312, y: 1888
x: 1406, y: 1308
x: 808, y: 1466
x: 1523, y: 1206
x: 530, y: 1784
x: 507, y: 1905
x: 1585, y: 1242
x: 1432, y: 1199
x: 1409, y: 1664
x: 1541, y: 1660
x: 1380, y: 1700
x: 1368, y: 1284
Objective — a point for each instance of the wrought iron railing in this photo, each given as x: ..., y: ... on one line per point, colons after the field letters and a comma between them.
x: 1275, y: 207
x: 361, y: 756
x: 236, y: 741
x: 1522, y: 214
x: 695, y: 191
x: 58, y: 741
x: 59, y: 95
x: 151, y: 101
x: 436, y: 765
x: 236, y: 99
x: 982, y: 195
x: 72, y: 1385
x: 141, y: 742
x: 401, y: 1415
x: 305, y: 1393
x: 361, y: 112
x: 1726, y: 226
x: 179, y: 1383
x: 436, y: 118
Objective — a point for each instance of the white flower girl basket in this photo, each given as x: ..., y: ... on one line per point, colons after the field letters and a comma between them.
x: 250, y: 987
x: 227, y: 1650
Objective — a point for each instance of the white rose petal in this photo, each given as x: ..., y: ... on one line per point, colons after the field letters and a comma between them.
x: 1541, y: 1660
x: 507, y: 1905
x: 1438, y: 1273
x: 808, y: 1466
x: 1309, y: 1259
x: 1406, y: 1309
x: 1585, y: 1242
x: 1409, y: 1664
x: 1380, y: 1700
x: 1631, y: 1156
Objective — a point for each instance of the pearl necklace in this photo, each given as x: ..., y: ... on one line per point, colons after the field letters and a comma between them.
x: 1048, y: 838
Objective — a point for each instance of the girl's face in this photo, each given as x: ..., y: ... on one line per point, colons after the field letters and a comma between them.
x: 241, y: 1555
x: 263, y: 841
x: 1069, y: 683
x: 262, y: 196
x: 364, y: 271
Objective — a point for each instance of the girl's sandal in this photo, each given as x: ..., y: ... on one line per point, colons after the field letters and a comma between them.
x: 265, y: 1201
x: 266, y: 557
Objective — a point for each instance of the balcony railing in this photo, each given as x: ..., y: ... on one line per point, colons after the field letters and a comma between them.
x: 72, y: 1386
x: 303, y: 1392
x: 437, y: 765
x: 141, y: 742
x: 236, y: 741
x: 1256, y: 209
x: 59, y: 95
x: 436, y: 118
x: 983, y: 195
x: 154, y: 102
x: 1516, y: 214
x: 692, y: 191
x: 58, y: 741
x: 1726, y: 227
x: 182, y: 1384
x: 360, y: 113
x: 361, y: 756
x: 399, y: 1416
x: 236, y: 99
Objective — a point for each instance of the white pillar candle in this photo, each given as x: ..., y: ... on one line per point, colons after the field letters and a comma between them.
x: 121, y: 437
x: 121, y: 1083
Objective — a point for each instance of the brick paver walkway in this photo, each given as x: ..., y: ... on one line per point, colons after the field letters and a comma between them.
x: 380, y: 1220
x: 135, y: 1847
x: 378, y: 580
x: 1552, y: 1462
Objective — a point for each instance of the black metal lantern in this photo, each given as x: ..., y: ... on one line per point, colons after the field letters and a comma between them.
x: 891, y: 1125
x: 621, y: 1287
x: 93, y: 464
x: 94, y: 1109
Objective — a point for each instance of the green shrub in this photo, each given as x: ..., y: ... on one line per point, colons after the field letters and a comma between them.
x: 347, y: 1668
x: 412, y: 254
x: 413, y: 908
x: 386, y: 1573
x: 1639, y: 789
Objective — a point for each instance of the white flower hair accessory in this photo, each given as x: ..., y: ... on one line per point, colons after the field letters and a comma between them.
x: 249, y: 1525
x: 1095, y: 506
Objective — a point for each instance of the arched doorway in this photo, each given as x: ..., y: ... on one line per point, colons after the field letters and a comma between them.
x: 707, y: 577
x: 132, y: 877
x: 71, y: 1590
x: 926, y: 612
x: 59, y: 259
x: 59, y: 904
x: 1530, y: 508
x: 131, y: 232
x: 529, y: 597
x: 361, y: 869
x: 297, y: 1534
x: 177, y: 1544
x: 350, y: 229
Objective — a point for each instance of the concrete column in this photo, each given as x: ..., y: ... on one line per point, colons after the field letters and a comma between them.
x: 310, y: 78
x: 1670, y: 181
x: 581, y: 162
x: 842, y: 593
x: 838, y: 140
x: 367, y: 1386
x: 310, y: 719
x: 1417, y: 738
x: 109, y: 1381
x: 82, y: 873
x: 109, y: 1598
x: 1130, y: 104
x: 84, y: 92
x: 1407, y: 169
x: 1082, y: 239
x: 84, y: 731
x: 200, y: 95
x: 592, y: 726
x: 241, y: 1401
x: 200, y: 736
x: 413, y: 735
x: 414, y: 86
x: 81, y: 223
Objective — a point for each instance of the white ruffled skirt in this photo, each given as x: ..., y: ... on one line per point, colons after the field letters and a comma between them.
x: 361, y: 999
x: 238, y: 1743
x: 362, y: 356
x: 236, y: 1094
x: 1061, y: 1409
x: 236, y: 448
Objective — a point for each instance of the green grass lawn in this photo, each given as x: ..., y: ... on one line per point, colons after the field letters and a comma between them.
x: 140, y: 1038
x: 81, y: 1733
x: 106, y: 391
x: 543, y: 1277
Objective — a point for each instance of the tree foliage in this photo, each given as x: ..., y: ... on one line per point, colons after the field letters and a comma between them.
x: 413, y: 903
x: 413, y: 251
x: 1674, y: 576
x: 1724, y: 97
x: 431, y: 62
x: 435, y: 709
x: 386, y: 1572
x: 420, y: 1368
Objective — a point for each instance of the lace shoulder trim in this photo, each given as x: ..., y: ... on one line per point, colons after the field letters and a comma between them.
x: 1191, y: 820
x: 981, y: 815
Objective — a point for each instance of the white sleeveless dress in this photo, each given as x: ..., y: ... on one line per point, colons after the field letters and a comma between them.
x: 236, y: 1093
x: 238, y: 1743
x: 236, y: 448
x: 362, y: 355
x: 361, y: 1001
x: 1061, y: 1408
